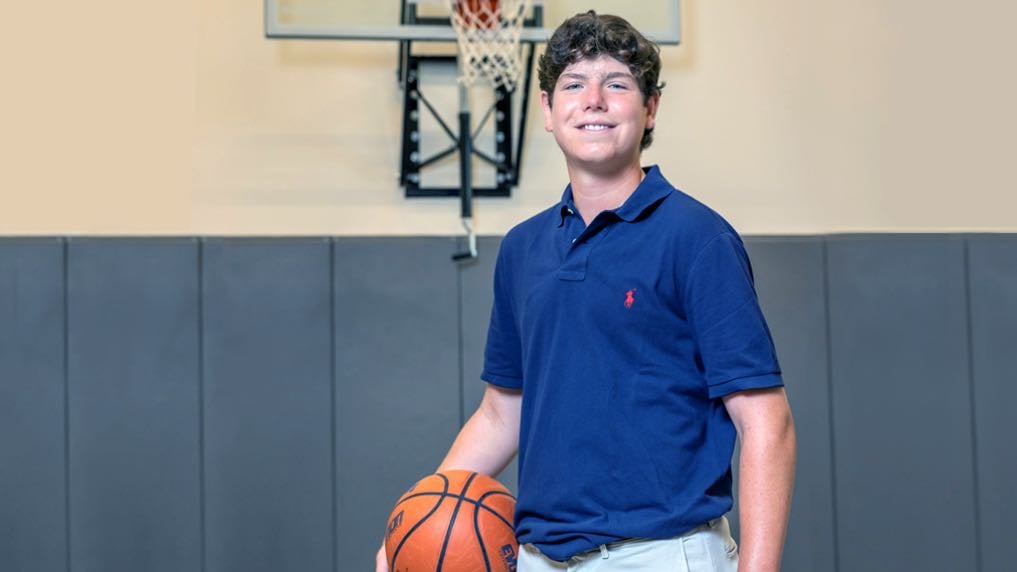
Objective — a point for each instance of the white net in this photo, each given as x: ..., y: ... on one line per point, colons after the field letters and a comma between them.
x: 488, y: 33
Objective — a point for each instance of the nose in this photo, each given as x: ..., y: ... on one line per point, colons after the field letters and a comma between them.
x: 595, y: 98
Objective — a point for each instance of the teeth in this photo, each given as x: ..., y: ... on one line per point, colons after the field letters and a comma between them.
x: 594, y: 127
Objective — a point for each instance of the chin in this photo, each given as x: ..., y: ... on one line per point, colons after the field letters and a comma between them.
x: 593, y: 156
x: 606, y: 159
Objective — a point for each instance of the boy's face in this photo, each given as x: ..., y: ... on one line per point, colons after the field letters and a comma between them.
x: 598, y: 115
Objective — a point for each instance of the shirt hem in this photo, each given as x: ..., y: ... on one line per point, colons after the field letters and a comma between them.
x: 502, y: 380
x: 745, y: 383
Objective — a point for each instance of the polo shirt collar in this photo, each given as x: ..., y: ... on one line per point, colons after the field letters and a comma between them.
x: 653, y: 188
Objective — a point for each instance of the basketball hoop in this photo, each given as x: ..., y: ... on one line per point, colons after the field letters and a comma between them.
x: 488, y: 33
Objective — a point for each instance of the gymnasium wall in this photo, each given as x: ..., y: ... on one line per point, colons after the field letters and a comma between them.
x: 257, y: 405
x: 788, y: 116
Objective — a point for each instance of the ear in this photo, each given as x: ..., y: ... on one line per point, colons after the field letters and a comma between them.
x: 651, y: 110
x: 545, y: 106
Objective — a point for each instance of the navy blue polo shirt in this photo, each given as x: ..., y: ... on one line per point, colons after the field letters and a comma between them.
x: 623, y: 336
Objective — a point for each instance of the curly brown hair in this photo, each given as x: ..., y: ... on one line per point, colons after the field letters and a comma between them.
x: 590, y: 35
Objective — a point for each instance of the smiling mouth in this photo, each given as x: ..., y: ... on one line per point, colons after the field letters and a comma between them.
x: 595, y: 127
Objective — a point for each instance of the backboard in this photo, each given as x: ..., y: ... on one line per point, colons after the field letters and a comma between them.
x: 427, y: 20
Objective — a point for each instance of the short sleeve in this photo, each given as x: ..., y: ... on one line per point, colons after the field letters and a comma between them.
x: 731, y: 334
x: 503, y: 353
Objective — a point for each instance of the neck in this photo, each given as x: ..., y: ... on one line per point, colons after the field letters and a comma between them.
x: 595, y: 193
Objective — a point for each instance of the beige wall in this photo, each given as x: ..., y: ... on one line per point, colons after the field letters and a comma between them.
x: 788, y: 116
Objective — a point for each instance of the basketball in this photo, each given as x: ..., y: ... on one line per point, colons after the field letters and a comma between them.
x: 453, y: 521
x: 479, y: 13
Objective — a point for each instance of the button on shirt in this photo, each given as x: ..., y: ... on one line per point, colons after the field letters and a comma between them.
x: 623, y: 336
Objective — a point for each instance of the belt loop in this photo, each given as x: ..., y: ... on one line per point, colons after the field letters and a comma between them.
x: 603, y: 552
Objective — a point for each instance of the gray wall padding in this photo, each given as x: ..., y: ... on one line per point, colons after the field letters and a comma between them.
x: 259, y: 404
x: 133, y: 394
x: 33, y: 400
x: 901, y: 403
x: 992, y: 283
x: 267, y: 376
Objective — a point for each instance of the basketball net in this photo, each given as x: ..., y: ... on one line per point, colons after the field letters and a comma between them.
x: 488, y: 33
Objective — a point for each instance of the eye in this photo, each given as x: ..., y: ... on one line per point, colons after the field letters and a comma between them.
x: 571, y: 86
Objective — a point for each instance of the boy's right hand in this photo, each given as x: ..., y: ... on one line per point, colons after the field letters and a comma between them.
x: 381, y: 560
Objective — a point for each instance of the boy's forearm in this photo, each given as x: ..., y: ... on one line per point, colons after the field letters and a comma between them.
x: 766, y: 479
x: 490, y: 438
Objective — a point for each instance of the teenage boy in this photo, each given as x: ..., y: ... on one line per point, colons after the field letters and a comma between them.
x: 626, y: 350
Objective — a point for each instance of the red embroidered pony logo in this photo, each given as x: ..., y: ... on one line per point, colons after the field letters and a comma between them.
x: 630, y: 298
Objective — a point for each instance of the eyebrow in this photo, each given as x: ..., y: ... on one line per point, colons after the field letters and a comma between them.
x: 609, y: 76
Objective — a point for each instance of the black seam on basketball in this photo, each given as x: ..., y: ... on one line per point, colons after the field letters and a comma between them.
x: 480, y: 504
x: 419, y: 523
x: 452, y: 495
x: 480, y: 538
x: 452, y: 521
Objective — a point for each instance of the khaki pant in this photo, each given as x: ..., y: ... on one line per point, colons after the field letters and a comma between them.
x: 708, y: 548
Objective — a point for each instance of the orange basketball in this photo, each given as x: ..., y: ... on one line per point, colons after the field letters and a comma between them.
x: 479, y: 13
x: 453, y: 521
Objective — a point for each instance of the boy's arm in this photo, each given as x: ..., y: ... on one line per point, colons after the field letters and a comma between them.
x: 490, y: 438
x: 766, y: 474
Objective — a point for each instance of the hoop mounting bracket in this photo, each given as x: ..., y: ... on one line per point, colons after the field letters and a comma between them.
x: 415, y: 103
